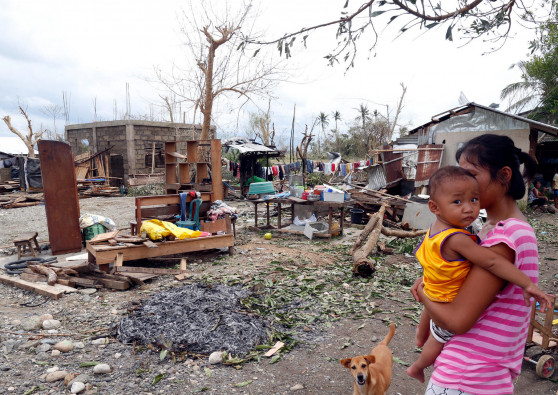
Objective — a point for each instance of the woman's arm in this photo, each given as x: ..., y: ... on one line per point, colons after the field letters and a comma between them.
x: 475, y: 295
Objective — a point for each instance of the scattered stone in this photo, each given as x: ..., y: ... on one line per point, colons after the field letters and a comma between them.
x: 51, y: 324
x: 82, y: 378
x: 4, y: 368
x: 43, y: 347
x: 77, y: 387
x: 52, y: 331
x: 87, y: 291
x: 64, y: 346
x: 16, y: 323
x: 69, y: 378
x: 297, y: 387
x: 52, y: 342
x: 216, y: 357
x: 86, y: 298
x: 55, y: 353
x: 97, y: 342
x: 102, y: 368
x: 31, y: 323
x: 53, y: 369
x: 45, y: 317
x: 79, y: 345
x: 31, y: 344
x: 114, y: 312
x: 10, y: 345
x: 117, y: 355
x: 56, y: 376
x: 11, y: 389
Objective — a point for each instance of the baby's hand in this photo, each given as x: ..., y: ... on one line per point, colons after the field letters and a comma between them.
x: 532, y: 291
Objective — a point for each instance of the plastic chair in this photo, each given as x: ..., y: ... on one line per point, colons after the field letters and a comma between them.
x: 193, y: 222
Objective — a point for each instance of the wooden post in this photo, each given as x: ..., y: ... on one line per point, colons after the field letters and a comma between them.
x: 152, y: 157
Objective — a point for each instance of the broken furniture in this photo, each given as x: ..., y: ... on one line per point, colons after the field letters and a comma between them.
x: 543, y: 337
x: 193, y: 219
x: 61, y: 198
x: 330, y: 206
x: 201, y: 157
x: 26, y: 245
x: 104, y: 255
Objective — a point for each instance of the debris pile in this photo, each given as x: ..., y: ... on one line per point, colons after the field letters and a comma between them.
x: 16, y: 200
x: 197, y: 318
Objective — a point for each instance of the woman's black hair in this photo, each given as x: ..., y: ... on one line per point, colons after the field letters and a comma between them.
x: 493, y: 152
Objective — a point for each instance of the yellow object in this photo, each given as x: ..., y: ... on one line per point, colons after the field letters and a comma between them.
x: 335, y: 228
x: 158, y: 230
x: 554, y: 322
x: 267, y: 236
x: 442, y: 279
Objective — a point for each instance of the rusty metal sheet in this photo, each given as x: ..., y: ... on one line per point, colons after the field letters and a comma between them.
x: 392, y: 164
x: 376, y: 177
x: 61, y: 198
x: 429, y: 159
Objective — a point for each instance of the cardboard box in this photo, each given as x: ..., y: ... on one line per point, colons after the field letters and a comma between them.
x: 334, y: 197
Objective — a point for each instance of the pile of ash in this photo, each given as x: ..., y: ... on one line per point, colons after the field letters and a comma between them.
x: 197, y: 318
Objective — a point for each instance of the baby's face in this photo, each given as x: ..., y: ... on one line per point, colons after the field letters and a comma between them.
x: 458, y: 202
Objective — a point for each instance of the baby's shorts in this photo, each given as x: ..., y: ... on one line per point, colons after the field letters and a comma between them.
x: 440, y: 334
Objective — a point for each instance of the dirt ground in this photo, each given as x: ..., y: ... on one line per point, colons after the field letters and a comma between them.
x: 349, y: 316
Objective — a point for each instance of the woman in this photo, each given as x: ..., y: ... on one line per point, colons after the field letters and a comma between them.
x: 536, y: 198
x: 489, y: 316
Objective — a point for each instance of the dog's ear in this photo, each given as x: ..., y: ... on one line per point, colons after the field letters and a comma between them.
x: 346, y: 362
x: 370, y: 359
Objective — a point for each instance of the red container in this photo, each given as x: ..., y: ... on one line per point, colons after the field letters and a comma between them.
x: 304, y: 195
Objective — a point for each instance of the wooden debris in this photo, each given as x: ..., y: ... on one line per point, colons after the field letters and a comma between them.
x: 275, y: 348
x: 47, y: 271
x: 103, y: 237
x: 403, y: 233
x: 17, y: 200
x: 54, y: 292
x: 148, y: 270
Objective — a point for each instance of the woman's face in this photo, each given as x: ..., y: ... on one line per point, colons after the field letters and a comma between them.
x: 490, y: 191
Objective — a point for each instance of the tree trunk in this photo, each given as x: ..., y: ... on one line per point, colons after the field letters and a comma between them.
x: 368, y: 228
x: 362, y: 265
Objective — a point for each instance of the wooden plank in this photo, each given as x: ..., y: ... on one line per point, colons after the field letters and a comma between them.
x: 118, y: 261
x: 42, y: 289
x: 104, y: 237
x: 223, y: 224
x: 176, y: 155
x: 275, y: 348
x: 150, y: 244
x: 183, y: 264
x: 107, y: 254
x: 148, y: 270
x: 109, y: 283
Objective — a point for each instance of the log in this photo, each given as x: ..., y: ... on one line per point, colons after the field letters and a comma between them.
x: 362, y: 265
x: 368, y: 228
x: 46, y: 271
x: 403, y: 233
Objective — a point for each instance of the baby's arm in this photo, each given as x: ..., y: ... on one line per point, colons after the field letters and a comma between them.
x: 498, y: 265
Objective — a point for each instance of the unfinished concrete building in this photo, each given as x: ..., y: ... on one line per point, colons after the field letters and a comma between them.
x: 137, y: 147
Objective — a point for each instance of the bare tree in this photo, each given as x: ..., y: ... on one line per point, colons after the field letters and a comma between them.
x: 220, y: 69
x: 31, y: 138
x: 261, y: 126
x: 53, y: 111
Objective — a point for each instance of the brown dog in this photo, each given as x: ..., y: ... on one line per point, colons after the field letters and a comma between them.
x: 372, y: 373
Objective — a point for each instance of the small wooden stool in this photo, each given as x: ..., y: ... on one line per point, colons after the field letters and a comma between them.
x: 26, y: 245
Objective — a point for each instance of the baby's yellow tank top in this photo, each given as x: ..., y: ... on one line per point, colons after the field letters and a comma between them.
x: 442, y: 279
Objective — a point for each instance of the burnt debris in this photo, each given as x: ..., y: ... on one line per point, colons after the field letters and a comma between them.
x: 197, y: 318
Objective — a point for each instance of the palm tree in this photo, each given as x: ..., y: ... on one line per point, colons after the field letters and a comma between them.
x: 323, y: 121
x: 363, y: 115
x: 336, y: 117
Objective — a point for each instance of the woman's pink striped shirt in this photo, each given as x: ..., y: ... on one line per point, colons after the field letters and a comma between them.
x: 486, y: 359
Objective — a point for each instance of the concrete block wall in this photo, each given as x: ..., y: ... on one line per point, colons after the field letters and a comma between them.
x: 132, y: 139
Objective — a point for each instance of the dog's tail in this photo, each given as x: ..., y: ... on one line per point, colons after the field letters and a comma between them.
x: 389, y: 336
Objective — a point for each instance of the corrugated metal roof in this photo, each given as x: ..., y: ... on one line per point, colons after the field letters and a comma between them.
x: 245, y: 146
x: 470, y: 106
x: 429, y: 158
x: 13, y: 146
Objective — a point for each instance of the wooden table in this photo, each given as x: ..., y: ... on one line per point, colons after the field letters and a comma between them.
x: 104, y: 255
x: 294, y: 201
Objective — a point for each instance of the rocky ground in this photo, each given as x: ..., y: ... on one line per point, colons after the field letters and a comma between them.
x: 323, y: 314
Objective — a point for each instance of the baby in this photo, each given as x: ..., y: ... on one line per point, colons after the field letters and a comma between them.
x: 446, y: 255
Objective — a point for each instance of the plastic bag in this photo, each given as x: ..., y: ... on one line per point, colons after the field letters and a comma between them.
x: 302, y: 222
x: 158, y: 230
x: 87, y: 220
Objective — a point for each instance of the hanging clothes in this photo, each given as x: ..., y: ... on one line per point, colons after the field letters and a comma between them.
x: 281, y: 172
x: 309, y: 166
x: 343, y: 169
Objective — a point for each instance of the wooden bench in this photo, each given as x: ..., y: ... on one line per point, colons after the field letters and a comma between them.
x: 167, y: 206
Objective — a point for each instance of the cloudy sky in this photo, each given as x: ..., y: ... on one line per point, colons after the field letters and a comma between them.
x: 91, y: 49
